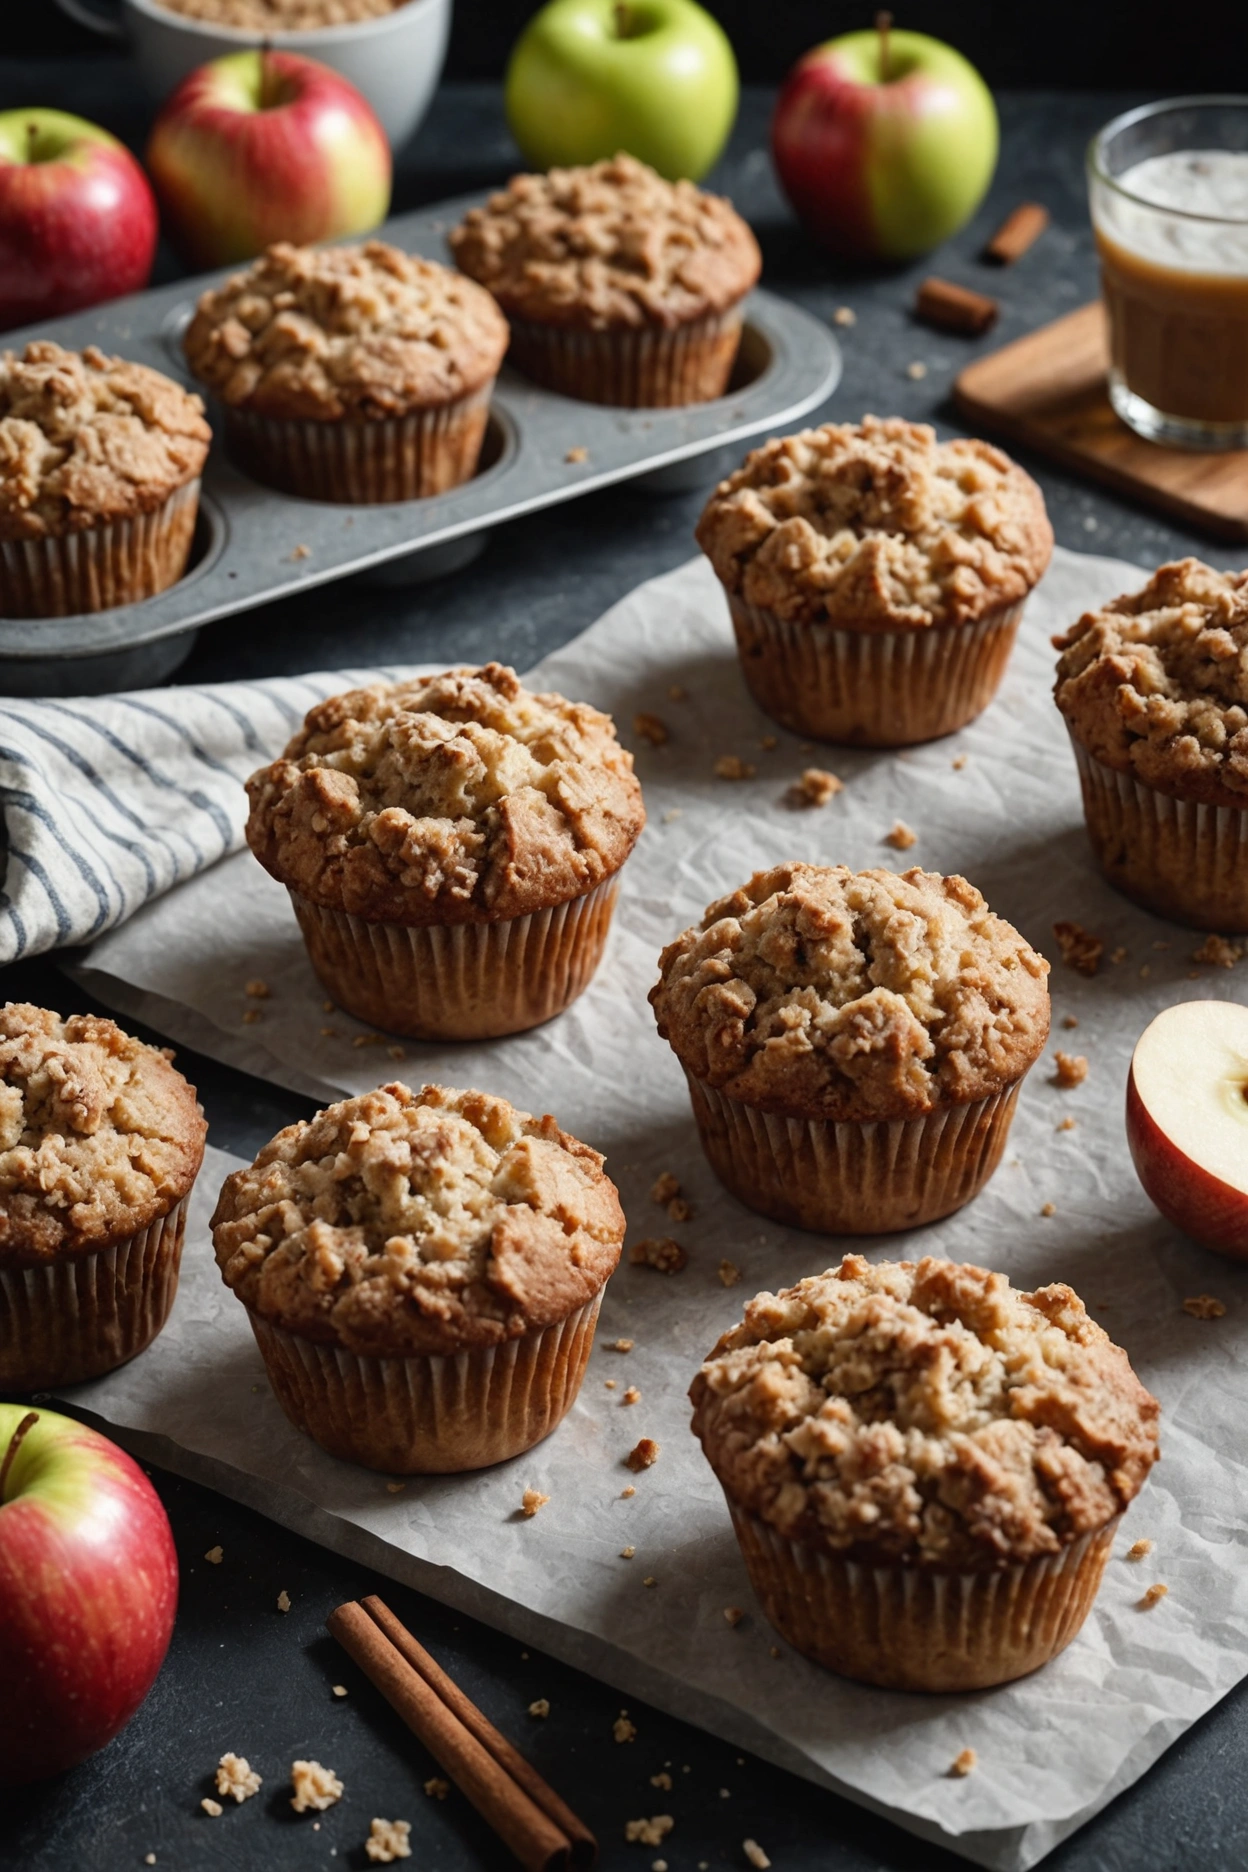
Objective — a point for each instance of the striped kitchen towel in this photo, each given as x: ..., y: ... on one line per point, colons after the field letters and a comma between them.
x: 110, y: 800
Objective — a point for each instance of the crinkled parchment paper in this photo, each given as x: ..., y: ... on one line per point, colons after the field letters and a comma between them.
x: 1053, y: 1748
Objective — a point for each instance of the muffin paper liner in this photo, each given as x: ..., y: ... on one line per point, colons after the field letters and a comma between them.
x: 916, y: 1628
x: 428, y: 1414
x: 647, y: 369
x: 1180, y: 858
x: 117, y: 563
x: 848, y: 1178
x: 84, y: 1314
x: 459, y: 981
x: 363, y: 463
x: 872, y: 688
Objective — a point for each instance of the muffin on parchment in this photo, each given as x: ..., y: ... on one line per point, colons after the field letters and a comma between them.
x: 620, y: 287
x: 876, y: 577
x: 452, y: 848
x: 99, y: 480
x: 925, y: 1468
x: 422, y: 1272
x: 353, y: 374
x: 101, y: 1140
x: 854, y: 1042
x: 1154, y: 691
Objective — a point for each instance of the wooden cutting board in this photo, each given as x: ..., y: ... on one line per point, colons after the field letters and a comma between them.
x: 1048, y: 390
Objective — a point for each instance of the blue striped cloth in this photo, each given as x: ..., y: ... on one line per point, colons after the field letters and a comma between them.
x: 109, y: 800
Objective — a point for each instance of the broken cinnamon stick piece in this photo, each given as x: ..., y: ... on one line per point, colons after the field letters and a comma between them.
x: 1020, y: 230
x: 954, y: 308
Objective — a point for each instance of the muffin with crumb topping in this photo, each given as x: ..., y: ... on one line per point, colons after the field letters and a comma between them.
x: 422, y: 1272
x: 925, y: 1467
x: 876, y: 577
x: 854, y: 1042
x: 101, y: 1140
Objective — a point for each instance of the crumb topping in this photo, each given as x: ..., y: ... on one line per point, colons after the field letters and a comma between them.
x: 456, y: 798
x: 1072, y: 1068
x: 1204, y: 1307
x: 928, y: 1413
x: 607, y: 246
x: 860, y: 995
x: 315, y: 1787
x: 403, y: 1222
x: 531, y: 1501
x: 1081, y: 950
x: 877, y: 526
x: 388, y: 1839
x: 357, y: 332
x: 237, y: 1778
x: 963, y: 1764
x: 85, y: 439
x: 651, y: 1832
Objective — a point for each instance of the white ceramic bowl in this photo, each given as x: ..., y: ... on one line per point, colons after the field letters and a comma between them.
x: 394, y: 60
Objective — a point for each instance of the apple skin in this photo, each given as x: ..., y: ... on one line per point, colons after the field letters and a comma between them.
x: 265, y: 146
x: 1212, y: 1212
x: 88, y: 1592
x: 578, y: 90
x: 78, y: 220
x: 884, y: 170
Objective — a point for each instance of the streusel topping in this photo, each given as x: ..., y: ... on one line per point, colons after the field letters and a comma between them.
x: 1156, y: 683
x: 606, y: 246
x: 99, y: 1134
x: 362, y: 333
x: 404, y: 1222
x: 929, y: 1414
x: 455, y: 798
x: 877, y: 525
x: 279, y: 16
x: 85, y: 439
x: 853, y: 995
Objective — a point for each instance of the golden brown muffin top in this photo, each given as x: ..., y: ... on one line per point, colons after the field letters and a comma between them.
x: 406, y: 1222
x: 926, y: 1414
x: 460, y: 798
x: 278, y: 16
x: 823, y: 992
x: 877, y: 526
x: 608, y: 246
x: 1156, y: 683
x: 85, y: 439
x: 361, y: 333
x: 99, y: 1135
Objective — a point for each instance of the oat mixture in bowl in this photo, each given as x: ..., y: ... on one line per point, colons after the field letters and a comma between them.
x: 925, y: 1467
x: 876, y: 577
x: 280, y: 16
x: 854, y: 1042
x: 422, y: 1272
x: 101, y: 1140
x: 452, y: 848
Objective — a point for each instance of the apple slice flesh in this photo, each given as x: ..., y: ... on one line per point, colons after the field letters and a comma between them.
x: 1187, y: 1120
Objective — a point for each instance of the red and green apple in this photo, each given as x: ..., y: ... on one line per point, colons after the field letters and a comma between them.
x: 1187, y: 1120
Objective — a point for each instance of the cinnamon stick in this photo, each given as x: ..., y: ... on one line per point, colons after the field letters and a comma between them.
x: 954, y: 308
x: 460, y: 1748
x: 1020, y: 230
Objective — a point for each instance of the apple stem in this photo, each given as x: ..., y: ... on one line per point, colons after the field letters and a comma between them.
x: 32, y: 138
x: 625, y: 25
x: 15, y: 1443
x: 883, y: 25
x: 266, y: 84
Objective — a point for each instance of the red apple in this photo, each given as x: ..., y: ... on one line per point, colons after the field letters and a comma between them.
x: 88, y: 1591
x: 77, y: 218
x: 1187, y: 1120
x: 266, y: 146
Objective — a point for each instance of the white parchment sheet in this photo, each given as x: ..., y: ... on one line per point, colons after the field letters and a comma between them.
x: 1053, y: 1748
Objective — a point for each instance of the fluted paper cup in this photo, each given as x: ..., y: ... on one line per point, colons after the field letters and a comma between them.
x: 99, y: 567
x: 81, y: 1315
x: 918, y: 1628
x: 873, y: 688
x: 459, y: 981
x: 428, y: 1414
x: 851, y: 1178
x: 1180, y: 858
x: 644, y: 369
x: 399, y: 458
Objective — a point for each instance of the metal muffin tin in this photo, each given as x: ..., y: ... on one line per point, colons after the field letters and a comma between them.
x: 253, y: 544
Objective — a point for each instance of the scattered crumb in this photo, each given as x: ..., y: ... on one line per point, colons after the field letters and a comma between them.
x: 1219, y: 952
x: 339, y: 1690
x: 283, y: 1601
x: 650, y: 1832
x: 366, y: 1039
x: 436, y: 1788
x: 814, y: 786
x: 149, y: 1858
x: 236, y: 1776
x: 577, y: 454
x: 329, y: 1033
x: 1161, y: 945
x: 259, y: 990
x: 658, y: 1865
x: 958, y: 762
x: 631, y: 1396
x: 729, y: 1273
x: 314, y: 1786
x: 540, y: 1707
x: 388, y: 1840
x: 1081, y: 950
x: 1067, y: 1124
x: 733, y: 1615
x: 662, y: 1780
x: 724, y: 1794
x: 395, y: 1488
x: 732, y: 767
x: 1204, y: 1306
x: 649, y: 1580
x: 664, y: 1189
x: 650, y: 728
x: 531, y: 1501
x: 397, y: 1052
x: 658, y: 1251
x: 673, y: 812
x: 901, y: 838
x: 215, y: 1555
x: 608, y: 1384
x: 845, y: 316
x: 680, y: 1209
x: 1049, y: 1209
x: 1070, y: 1022
x: 916, y: 371
x: 619, y: 1345
x: 1145, y: 972
x: 1154, y: 1596
x: 754, y: 1853
x: 643, y: 1456
x: 963, y: 1763
x: 327, y: 1007
x: 300, y: 552
x: 622, y: 1729
x: 251, y: 1016
x: 1139, y: 1550
x: 1072, y: 1068
x: 769, y: 743
x: 212, y: 1808
x: 626, y: 1492
x: 677, y: 693
x: 626, y: 1553
x: 1119, y: 955
x: 775, y: 1650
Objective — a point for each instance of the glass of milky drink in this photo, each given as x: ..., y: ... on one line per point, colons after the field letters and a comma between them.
x: 1169, y: 192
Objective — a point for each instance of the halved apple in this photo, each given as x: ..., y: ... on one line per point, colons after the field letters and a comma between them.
x: 1187, y: 1120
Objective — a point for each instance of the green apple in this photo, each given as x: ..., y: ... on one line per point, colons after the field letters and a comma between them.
x: 588, y: 78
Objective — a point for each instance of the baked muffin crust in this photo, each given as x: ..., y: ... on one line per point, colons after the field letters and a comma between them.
x: 1156, y: 683
x: 877, y: 525
x: 607, y: 246
x: 409, y: 1222
x: 360, y: 333
x: 925, y: 1414
x: 457, y: 798
x: 99, y: 1135
x: 86, y: 438
x: 823, y: 992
